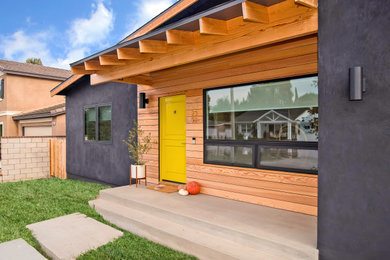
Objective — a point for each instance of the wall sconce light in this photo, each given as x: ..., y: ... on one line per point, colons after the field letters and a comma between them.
x: 356, y: 84
x: 143, y: 100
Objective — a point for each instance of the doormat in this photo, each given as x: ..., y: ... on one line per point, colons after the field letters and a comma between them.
x: 167, y: 188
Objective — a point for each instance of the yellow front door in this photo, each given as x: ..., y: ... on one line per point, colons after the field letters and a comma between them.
x: 173, y: 138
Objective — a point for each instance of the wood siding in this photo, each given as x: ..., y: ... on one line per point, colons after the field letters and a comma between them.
x: 284, y: 190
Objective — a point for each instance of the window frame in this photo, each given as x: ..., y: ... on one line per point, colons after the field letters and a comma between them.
x: 256, y: 144
x: 96, y: 106
x: 2, y: 88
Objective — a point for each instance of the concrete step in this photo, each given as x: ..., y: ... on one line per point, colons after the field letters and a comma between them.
x: 184, y: 238
x: 265, y: 245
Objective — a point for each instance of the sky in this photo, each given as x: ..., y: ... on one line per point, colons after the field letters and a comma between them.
x: 60, y: 32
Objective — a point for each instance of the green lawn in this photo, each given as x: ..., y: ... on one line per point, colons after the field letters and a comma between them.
x: 27, y: 202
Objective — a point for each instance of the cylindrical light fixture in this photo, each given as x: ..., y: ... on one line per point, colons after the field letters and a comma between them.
x: 143, y: 100
x: 356, y: 84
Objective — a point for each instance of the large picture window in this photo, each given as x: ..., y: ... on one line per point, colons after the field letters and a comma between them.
x: 97, y: 123
x: 271, y: 125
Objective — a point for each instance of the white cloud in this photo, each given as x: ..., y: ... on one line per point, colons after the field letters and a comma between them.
x: 20, y: 46
x: 146, y: 10
x: 95, y: 29
x: 83, y: 35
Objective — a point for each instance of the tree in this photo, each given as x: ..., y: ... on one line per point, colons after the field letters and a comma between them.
x: 34, y: 61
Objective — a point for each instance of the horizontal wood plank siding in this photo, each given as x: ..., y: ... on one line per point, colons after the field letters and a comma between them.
x: 285, y: 190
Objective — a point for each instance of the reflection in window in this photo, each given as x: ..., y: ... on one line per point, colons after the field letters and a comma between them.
x: 274, y: 119
x: 277, y: 111
x: 293, y: 158
x: 105, y: 123
x: 230, y: 154
x: 90, y: 124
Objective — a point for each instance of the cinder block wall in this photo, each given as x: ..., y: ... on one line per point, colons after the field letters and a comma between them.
x: 25, y: 158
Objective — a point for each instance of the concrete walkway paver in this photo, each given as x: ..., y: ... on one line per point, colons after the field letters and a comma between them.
x: 18, y: 249
x: 69, y: 236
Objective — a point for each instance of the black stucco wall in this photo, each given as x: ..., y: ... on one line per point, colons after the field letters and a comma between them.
x: 106, y: 163
x: 354, y: 147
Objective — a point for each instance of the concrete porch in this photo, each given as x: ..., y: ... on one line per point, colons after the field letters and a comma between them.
x: 210, y: 227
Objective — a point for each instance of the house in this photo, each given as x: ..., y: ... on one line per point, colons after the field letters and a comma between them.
x: 98, y: 119
x: 25, y: 88
x: 48, y: 121
x: 200, y: 64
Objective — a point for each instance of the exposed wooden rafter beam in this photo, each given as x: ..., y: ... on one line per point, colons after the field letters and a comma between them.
x: 308, y: 3
x: 213, y: 26
x: 253, y: 12
x: 242, y: 36
x: 152, y: 46
x: 285, y: 9
x: 138, y: 80
x: 110, y: 59
x: 128, y: 54
x: 94, y: 65
x: 179, y: 37
x: 80, y: 70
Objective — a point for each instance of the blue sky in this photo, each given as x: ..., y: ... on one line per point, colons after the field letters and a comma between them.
x: 63, y: 31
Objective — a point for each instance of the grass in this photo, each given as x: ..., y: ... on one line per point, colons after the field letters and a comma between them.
x: 27, y: 202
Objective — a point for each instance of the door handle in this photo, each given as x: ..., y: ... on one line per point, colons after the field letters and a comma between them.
x: 183, y: 143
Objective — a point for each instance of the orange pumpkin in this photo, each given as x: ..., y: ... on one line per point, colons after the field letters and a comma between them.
x: 193, y: 187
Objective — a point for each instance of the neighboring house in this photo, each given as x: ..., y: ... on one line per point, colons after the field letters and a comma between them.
x: 204, y: 61
x: 48, y: 121
x: 26, y: 87
x: 94, y: 152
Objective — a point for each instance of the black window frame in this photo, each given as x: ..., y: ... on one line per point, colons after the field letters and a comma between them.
x: 96, y: 107
x: 311, y: 145
x: 2, y: 87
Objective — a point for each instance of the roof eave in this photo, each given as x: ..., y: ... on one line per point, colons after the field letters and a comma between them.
x: 33, y: 75
x: 34, y: 116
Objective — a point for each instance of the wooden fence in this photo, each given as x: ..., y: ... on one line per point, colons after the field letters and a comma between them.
x: 58, y: 158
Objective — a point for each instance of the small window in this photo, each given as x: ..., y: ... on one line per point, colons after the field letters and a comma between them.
x: 290, y: 158
x: 2, y: 89
x: 90, y: 124
x: 228, y: 154
x: 105, y: 123
x: 97, y: 123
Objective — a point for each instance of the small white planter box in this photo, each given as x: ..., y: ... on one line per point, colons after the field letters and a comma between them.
x: 137, y: 171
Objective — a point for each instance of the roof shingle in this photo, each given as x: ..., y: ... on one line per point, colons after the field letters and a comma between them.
x: 33, y: 70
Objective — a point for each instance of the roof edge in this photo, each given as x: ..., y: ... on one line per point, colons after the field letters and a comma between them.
x: 41, y: 115
x: 166, y: 11
x: 158, y: 31
x: 33, y: 75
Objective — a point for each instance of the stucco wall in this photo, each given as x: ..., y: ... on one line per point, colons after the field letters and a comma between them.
x: 354, y: 155
x: 25, y: 158
x: 107, y: 163
x: 59, y: 128
x: 21, y: 94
